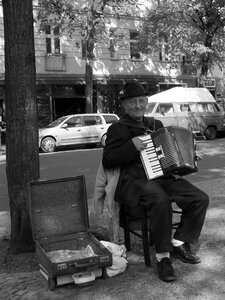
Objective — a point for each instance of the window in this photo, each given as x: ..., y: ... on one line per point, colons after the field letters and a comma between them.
x: 134, y: 45
x: 205, y: 107
x: 74, y: 122
x: 150, y: 107
x: 165, y: 108
x: 193, y: 107
x: 217, y: 107
x: 89, y: 120
x: 184, y: 107
x: 209, y: 107
x: 52, y: 39
x: 99, y: 120
x: 200, y: 107
x: 56, y: 122
x: 110, y: 119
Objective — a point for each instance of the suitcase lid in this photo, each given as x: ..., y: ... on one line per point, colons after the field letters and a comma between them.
x: 58, y: 207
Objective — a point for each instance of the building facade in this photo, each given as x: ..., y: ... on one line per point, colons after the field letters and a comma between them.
x: 60, y: 70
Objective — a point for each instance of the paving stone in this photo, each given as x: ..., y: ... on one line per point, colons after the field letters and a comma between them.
x: 21, y: 292
x: 15, y: 297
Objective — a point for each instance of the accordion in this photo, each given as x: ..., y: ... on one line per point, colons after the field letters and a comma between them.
x: 169, y: 150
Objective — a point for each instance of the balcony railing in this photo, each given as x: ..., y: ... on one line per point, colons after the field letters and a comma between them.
x: 55, y: 62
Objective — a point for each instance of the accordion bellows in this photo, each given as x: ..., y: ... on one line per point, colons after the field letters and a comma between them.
x: 169, y: 150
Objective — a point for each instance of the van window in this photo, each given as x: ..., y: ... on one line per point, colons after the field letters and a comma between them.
x: 193, y: 107
x: 210, y: 107
x: 184, y: 107
x: 217, y: 108
x: 205, y: 107
x: 165, y: 108
x: 149, y: 107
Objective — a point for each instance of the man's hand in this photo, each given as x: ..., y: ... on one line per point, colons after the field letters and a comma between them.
x: 138, y: 143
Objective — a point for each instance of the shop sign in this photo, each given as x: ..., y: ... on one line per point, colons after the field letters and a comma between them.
x: 208, y: 82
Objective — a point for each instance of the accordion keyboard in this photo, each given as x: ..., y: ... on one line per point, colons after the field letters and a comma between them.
x: 150, y: 159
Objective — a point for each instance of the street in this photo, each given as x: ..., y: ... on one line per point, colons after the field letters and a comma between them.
x: 57, y: 165
x: 85, y: 162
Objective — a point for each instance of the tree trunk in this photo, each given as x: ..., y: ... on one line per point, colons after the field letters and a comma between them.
x: 204, y: 65
x: 205, y: 58
x: 89, y: 87
x: 22, y: 155
x: 89, y: 60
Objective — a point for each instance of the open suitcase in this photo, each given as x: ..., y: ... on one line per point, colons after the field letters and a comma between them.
x: 59, y: 220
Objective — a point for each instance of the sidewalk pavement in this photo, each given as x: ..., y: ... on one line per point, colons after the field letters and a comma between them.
x: 197, y: 282
x: 2, y: 152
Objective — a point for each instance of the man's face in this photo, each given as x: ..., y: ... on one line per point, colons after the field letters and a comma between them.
x: 135, y: 107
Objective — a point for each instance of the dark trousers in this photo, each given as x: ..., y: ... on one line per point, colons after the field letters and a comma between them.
x: 157, y: 195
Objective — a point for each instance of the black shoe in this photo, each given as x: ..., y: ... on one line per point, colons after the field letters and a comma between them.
x: 183, y: 252
x: 165, y: 270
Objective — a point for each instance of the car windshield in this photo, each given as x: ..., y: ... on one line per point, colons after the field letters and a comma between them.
x: 56, y: 122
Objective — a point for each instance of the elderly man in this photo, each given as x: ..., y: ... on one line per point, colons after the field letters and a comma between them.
x: 122, y: 150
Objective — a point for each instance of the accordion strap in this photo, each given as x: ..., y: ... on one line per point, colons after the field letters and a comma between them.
x: 150, y: 123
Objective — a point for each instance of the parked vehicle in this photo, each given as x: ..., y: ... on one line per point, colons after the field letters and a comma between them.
x: 2, y: 126
x: 192, y: 108
x: 79, y: 129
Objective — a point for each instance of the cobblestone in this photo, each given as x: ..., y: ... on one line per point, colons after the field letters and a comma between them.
x: 195, y: 282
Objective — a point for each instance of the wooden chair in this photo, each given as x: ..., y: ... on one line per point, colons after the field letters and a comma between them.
x: 137, y: 221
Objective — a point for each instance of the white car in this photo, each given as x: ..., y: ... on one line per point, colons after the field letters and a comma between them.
x: 79, y: 129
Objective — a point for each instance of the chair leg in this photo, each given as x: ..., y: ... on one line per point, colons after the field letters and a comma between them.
x: 175, y: 224
x: 127, y: 239
x: 126, y: 231
x: 145, y: 240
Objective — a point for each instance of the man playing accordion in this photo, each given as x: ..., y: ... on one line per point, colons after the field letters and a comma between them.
x: 122, y: 150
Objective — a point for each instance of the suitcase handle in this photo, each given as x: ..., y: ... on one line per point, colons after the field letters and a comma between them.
x: 86, y: 265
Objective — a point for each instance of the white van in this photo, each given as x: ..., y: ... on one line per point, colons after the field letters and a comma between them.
x: 192, y: 108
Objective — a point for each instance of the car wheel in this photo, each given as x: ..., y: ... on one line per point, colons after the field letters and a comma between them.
x: 210, y: 133
x: 103, y: 138
x: 48, y: 144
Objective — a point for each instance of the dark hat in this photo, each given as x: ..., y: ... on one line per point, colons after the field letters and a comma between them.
x: 131, y: 90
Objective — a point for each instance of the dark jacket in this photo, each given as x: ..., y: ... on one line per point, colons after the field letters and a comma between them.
x: 121, y: 152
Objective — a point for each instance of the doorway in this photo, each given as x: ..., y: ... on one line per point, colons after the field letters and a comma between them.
x: 67, y: 106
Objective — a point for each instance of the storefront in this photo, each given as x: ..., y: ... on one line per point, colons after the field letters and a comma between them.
x: 61, y: 95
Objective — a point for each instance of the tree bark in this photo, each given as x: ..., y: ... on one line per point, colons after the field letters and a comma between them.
x: 89, y: 60
x: 22, y: 155
x: 89, y: 87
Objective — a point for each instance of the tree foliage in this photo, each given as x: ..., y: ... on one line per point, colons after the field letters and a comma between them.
x: 89, y: 18
x: 192, y: 29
